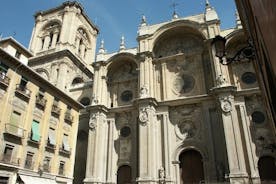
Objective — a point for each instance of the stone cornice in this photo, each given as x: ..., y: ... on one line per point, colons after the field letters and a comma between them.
x: 97, y: 108
x: 149, y: 100
x: 62, y: 6
x: 36, y: 79
x: 38, y: 59
x: 223, y: 90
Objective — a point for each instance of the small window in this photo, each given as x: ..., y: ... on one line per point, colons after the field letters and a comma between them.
x: 52, y: 137
x: 3, y: 68
x: 23, y: 82
x: 8, y: 153
x: 125, y: 131
x: 35, y: 133
x: 46, y: 164
x: 17, y: 54
x: 85, y: 101
x: 126, y: 96
x: 61, y: 168
x: 29, y: 160
x: 249, y: 78
x: 77, y: 80
x: 65, y: 143
x: 258, y: 117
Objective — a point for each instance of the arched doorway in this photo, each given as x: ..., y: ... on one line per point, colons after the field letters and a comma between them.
x: 267, y: 169
x: 191, y: 167
x: 124, y: 175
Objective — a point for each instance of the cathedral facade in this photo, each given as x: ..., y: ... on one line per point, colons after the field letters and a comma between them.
x: 166, y: 111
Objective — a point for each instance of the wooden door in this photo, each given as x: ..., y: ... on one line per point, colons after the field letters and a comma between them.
x: 124, y: 175
x: 267, y: 169
x: 191, y: 167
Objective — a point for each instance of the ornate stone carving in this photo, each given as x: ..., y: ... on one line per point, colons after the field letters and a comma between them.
x: 162, y: 174
x: 183, y: 83
x: 95, y: 101
x: 144, y: 92
x: 221, y: 81
x: 226, y: 105
x: 185, y: 129
x: 93, y: 122
x: 143, y: 116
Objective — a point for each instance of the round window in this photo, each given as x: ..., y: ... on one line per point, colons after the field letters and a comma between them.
x: 126, y: 96
x: 125, y: 131
x: 184, y: 83
x: 249, y: 78
x: 258, y: 117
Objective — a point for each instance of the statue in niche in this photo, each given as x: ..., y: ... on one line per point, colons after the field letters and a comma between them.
x: 184, y: 83
x: 144, y: 92
x: 162, y: 174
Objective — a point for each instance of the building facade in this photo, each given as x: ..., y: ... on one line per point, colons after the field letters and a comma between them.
x: 164, y: 112
x: 38, y: 123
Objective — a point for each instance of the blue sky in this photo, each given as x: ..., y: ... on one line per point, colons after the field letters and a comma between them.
x: 113, y: 17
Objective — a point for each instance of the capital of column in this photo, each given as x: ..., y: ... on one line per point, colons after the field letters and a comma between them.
x: 142, y: 56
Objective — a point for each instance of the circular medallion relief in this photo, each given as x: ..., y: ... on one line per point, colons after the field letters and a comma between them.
x: 184, y: 83
x: 125, y: 131
x: 249, y: 78
x: 126, y: 96
x: 258, y: 117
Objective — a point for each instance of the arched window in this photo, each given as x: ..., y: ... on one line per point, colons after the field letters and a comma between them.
x: 85, y: 101
x: 50, y: 36
x: 124, y: 175
x: 77, y: 80
x: 191, y: 167
x: 267, y: 169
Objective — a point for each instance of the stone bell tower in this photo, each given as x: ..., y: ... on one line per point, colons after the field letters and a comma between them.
x: 63, y: 43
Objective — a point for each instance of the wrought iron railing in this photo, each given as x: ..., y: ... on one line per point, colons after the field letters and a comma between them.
x: 23, y: 90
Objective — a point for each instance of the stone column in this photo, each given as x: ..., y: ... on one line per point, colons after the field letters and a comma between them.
x: 96, y: 164
x: 77, y: 44
x: 232, y: 132
x: 62, y: 76
x: 221, y: 73
x: 46, y: 42
x: 54, y: 41
x: 146, y: 73
x: 148, y: 168
x: 164, y: 82
x: 96, y: 81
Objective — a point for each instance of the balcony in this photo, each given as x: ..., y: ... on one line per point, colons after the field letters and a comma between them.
x: 64, y: 152
x: 14, y: 131
x: 7, y: 159
x: 23, y: 92
x: 68, y: 117
x: 40, y: 102
x: 32, y: 142
x: 50, y: 147
x: 55, y: 110
x: 4, y: 80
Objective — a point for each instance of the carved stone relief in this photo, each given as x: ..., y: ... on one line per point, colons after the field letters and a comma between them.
x: 187, y: 121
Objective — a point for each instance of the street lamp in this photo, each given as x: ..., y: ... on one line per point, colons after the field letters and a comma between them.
x: 246, y: 52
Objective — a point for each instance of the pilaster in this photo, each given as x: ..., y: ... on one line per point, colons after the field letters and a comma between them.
x: 148, y: 167
x: 96, y: 165
x: 232, y: 132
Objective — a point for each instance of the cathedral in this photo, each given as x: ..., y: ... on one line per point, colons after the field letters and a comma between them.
x: 166, y: 111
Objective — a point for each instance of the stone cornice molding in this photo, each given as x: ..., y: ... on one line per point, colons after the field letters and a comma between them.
x: 146, y: 101
x: 223, y: 89
x: 98, y: 108
x: 64, y: 53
